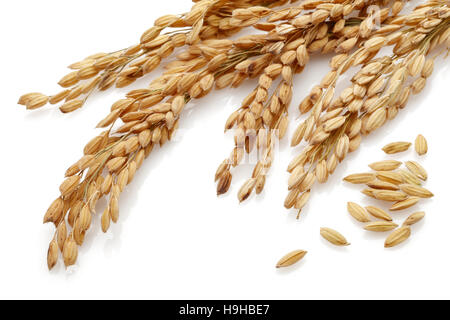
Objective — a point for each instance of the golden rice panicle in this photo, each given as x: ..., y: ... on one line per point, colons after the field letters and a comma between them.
x: 251, y: 131
x: 421, y: 145
x: 291, y: 258
x: 334, y: 128
x: 267, y: 116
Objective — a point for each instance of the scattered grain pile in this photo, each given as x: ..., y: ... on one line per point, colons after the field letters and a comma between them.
x: 391, y: 185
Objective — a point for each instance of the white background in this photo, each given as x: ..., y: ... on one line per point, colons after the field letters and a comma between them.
x: 175, y: 239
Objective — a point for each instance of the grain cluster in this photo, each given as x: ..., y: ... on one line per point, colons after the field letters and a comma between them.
x: 397, y: 188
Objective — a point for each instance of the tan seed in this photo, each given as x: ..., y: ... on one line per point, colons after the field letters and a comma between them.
x: 389, y: 195
x: 114, y: 208
x: 374, y: 44
x: 369, y: 192
x: 27, y: 98
x: 333, y: 237
x: 55, y: 211
x: 414, y: 218
x: 396, y: 147
x: 415, y: 190
x: 106, y: 220
x: 409, y: 178
x: 358, y: 212
x: 334, y: 124
x: 71, y: 106
x: 52, y: 255
x: 302, y: 55
x: 115, y: 164
x: 332, y: 164
x: 342, y: 147
x: 421, y: 145
x: 386, y: 165
x: 296, y: 178
x: 37, y: 102
x: 59, y: 96
x: 308, y: 182
x: 291, y: 198
x: 322, y: 172
x: 69, y: 185
x: 246, y: 190
x: 397, y: 237
x: 298, y: 135
x: 417, y: 170
x: 291, y: 258
x: 260, y: 184
x: 70, y: 252
x: 381, y: 226
x: 379, y: 213
x: 360, y: 178
x: 382, y: 185
x: 376, y: 119
x: 224, y: 183
x: 302, y: 200
x: 61, y: 235
x: 405, y: 204
x: 390, y: 176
